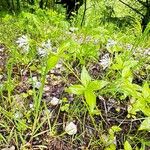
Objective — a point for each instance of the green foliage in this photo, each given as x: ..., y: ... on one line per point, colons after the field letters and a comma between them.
x: 127, y: 146
x: 31, y: 77
x: 145, y: 125
x: 88, y: 89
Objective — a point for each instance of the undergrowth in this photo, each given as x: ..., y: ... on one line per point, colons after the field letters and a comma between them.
x: 67, y: 87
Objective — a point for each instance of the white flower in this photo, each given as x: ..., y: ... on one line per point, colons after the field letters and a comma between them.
x: 71, y: 128
x: 31, y: 105
x: 129, y: 46
x: 73, y: 29
x: 18, y: 115
x: 23, y: 43
x: 55, y: 101
x: 105, y: 61
x: 110, y: 43
x: 147, y: 51
x: 36, y: 83
x: 1, y: 49
x: 45, y: 48
x: 47, y: 44
x: 34, y: 79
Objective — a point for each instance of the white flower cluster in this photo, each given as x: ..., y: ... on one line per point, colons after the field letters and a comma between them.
x: 110, y: 43
x: 23, y: 42
x: 105, y: 61
x: 45, y: 48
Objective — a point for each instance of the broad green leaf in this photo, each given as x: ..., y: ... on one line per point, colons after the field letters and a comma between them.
x: 51, y: 62
x: 97, y: 85
x: 130, y: 63
x: 146, y: 90
x: 76, y: 89
x: 127, y: 146
x: 145, y: 109
x: 63, y: 47
x: 90, y: 98
x: 126, y: 72
x: 119, y: 63
x: 85, y: 77
x: 145, y: 125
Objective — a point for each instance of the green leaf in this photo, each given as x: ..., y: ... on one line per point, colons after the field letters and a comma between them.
x: 51, y: 62
x: 111, y: 147
x: 97, y: 85
x: 63, y: 47
x: 146, y: 90
x: 76, y: 89
x: 90, y: 98
x: 145, y: 125
x: 127, y: 146
x: 119, y: 63
x: 126, y: 72
x: 85, y: 77
x: 116, y: 128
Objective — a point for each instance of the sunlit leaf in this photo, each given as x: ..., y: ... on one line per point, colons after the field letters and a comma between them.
x: 127, y: 146
x: 76, y: 89
x: 51, y: 62
x: 90, y: 100
x: 97, y: 85
x: 85, y: 77
x: 145, y: 125
x: 63, y: 47
x: 119, y: 63
x: 146, y: 90
x: 126, y: 72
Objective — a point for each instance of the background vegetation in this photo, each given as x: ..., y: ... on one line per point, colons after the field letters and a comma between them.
x: 77, y: 82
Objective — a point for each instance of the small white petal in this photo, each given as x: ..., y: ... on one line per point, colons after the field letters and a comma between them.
x: 58, y: 66
x: 34, y: 79
x: 44, y: 49
x: 18, y: 115
x: 31, y: 105
x: 73, y: 29
x: 37, y: 84
x: 110, y: 43
x: 71, y: 128
x: 1, y: 49
x: 55, y: 101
